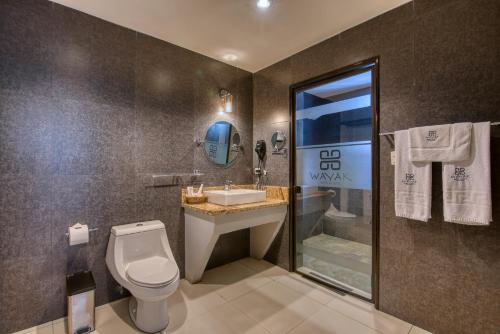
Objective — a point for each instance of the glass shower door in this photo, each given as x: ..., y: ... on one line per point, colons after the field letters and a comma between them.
x: 333, y: 182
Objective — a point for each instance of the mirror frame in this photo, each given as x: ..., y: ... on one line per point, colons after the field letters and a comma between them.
x: 230, y: 163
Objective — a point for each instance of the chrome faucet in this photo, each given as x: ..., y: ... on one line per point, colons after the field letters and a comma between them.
x: 227, y: 185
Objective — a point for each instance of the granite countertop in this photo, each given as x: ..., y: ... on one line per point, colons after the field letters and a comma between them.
x: 275, y: 196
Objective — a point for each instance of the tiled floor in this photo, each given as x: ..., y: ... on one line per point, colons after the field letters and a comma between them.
x: 252, y: 297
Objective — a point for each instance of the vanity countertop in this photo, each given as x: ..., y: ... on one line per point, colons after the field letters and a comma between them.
x: 275, y: 196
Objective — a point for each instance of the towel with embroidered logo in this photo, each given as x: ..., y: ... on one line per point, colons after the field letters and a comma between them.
x: 446, y: 143
x: 412, y: 183
x: 467, y: 184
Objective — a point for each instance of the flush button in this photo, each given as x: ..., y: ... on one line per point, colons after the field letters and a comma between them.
x: 140, y: 224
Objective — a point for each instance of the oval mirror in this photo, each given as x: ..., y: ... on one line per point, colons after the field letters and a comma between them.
x: 222, y: 143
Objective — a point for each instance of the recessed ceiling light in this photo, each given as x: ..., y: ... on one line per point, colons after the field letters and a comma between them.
x: 230, y: 57
x: 263, y: 3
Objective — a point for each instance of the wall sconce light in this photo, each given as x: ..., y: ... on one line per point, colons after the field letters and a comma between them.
x: 263, y: 3
x: 226, y: 100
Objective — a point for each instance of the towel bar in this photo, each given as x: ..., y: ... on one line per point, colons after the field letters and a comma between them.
x: 392, y: 133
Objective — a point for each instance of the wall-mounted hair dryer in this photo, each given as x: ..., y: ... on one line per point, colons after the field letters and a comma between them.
x: 260, y: 172
x: 260, y: 149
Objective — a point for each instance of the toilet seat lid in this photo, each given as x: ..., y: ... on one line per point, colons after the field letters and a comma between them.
x: 152, y: 272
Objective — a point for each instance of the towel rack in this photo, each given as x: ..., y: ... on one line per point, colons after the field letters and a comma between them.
x: 392, y: 133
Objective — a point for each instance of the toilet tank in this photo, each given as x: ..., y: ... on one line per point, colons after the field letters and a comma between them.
x: 141, y: 240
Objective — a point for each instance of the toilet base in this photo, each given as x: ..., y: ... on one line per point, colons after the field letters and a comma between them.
x: 149, y: 317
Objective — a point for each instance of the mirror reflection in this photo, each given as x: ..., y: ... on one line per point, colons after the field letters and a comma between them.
x: 222, y: 143
x: 278, y: 140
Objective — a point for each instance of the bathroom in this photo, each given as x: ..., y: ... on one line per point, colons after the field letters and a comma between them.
x: 106, y: 111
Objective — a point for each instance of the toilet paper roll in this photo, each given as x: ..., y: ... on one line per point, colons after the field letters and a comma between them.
x: 78, y: 234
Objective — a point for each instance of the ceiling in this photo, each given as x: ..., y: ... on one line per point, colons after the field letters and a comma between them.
x: 217, y: 28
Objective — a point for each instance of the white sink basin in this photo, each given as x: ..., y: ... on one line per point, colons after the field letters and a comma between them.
x: 235, y: 196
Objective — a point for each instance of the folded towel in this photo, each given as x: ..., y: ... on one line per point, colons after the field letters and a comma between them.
x: 412, y: 182
x: 447, y: 143
x: 467, y: 184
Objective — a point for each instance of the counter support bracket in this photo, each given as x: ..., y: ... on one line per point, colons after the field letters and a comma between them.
x: 203, y: 231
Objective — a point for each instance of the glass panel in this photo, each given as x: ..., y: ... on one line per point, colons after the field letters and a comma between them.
x: 333, y: 170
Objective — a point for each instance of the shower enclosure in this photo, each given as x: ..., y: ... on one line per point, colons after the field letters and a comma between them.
x: 334, y: 177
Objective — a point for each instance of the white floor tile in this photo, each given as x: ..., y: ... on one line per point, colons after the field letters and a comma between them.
x: 205, y: 324
x: 40, y: 329
x: 263, y: 267
x: 192, y: 300
x: 418, y: 330
x: 119, y: 325
x: 237, y: 321
x: 328, y: 321
x: 115, y: 318
x: 366, y: 313
x: 254, y: 264
x: 60, y: 326
x: 106, y: 313
x: 223, y: 319
x: 227, y: 274
x: 307, y: 288
x: 276, y: 307
x: 251, y: 297
x: 238, y: 289
x: 234, y: 280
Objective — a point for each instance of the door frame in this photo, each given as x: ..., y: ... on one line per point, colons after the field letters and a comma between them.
x: 373, y: 64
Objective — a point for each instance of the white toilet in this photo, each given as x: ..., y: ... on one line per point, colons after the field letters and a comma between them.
x: 140, y: 259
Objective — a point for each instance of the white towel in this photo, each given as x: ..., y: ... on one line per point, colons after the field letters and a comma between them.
x: 412, y: 182
x: 467, y: 184
x: 446, y: 143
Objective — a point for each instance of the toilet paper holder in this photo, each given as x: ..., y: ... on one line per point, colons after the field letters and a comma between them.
x: 90, y: 230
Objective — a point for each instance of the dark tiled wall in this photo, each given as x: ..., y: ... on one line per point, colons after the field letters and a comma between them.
x: 270, y: 114
x: 87, y: 110
x: 439, y: 63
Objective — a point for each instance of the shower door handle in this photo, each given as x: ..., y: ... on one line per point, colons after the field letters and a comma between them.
x: 298, y: 189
